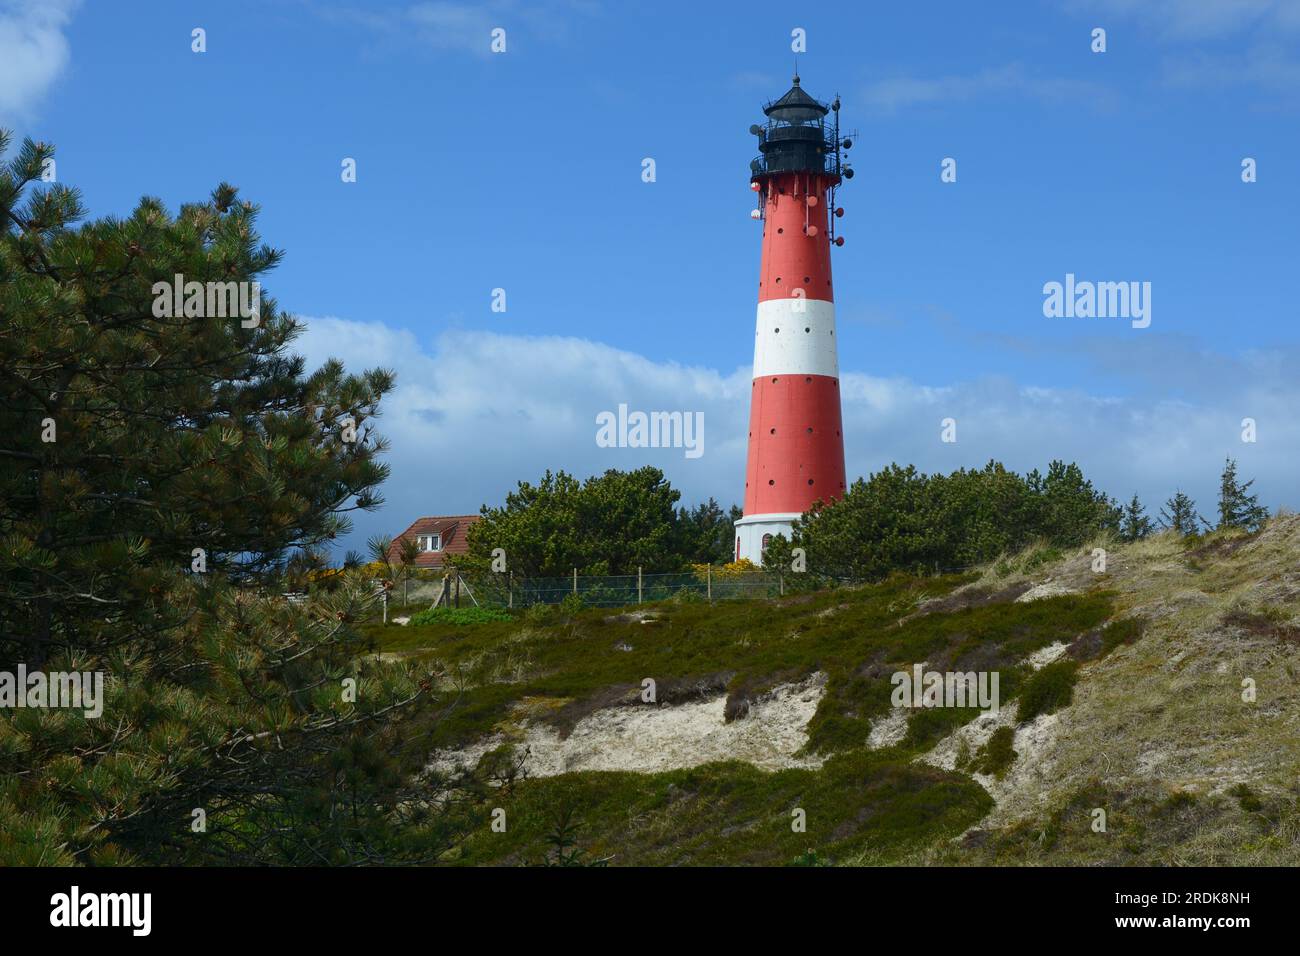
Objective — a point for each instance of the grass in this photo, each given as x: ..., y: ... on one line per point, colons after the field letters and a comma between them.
x: 733, y: 813
x: 877, y: 803
x: 858, y: 637
x: 459, y: 616
x: 1159, y: 645
x: 992, y: 637
x: 1144, y: 824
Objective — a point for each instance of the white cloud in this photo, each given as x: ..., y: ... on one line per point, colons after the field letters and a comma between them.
x: 897, y: 93
x: 33, y: 51
x: 1197, y: 19
x: 464, y: 27
x: 480, y: 411
x: 1195, y: 31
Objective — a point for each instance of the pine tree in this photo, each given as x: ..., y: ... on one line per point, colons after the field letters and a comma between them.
x: 1135, y: 524
x: 1237, y: 509
x: 162, y: 468
x: 778, y: 555
x: 1179, y: 514
x: 707, y: 533
x: 609, y: 524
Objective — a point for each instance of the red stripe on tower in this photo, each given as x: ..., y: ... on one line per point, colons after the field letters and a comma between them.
x: 796, y: 446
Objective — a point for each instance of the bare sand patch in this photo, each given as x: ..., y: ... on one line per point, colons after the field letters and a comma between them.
x: 648, y: 738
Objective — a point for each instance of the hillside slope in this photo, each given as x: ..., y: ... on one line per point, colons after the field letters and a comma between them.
x: 1135, y: 674
x: 1158, y: 734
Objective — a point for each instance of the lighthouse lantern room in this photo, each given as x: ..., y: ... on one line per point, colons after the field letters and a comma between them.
x: 796, y: 449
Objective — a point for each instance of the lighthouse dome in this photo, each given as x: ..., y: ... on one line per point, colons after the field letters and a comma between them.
x: 797, y: 137
x: 796, y: 106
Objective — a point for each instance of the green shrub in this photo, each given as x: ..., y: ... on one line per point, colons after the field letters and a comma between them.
x: 1125, y: 631
x: 1048, y: 689
x: 928, y: 725
x: 1041, y: 556
x: 809, y: 858
x: 1176, y: 802
x: 571, y: 604
x: 996, y: 756
x: 540, y: 614
x: 1247, y: 798
x: 459, y: 615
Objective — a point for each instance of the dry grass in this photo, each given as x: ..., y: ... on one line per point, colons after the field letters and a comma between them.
x: 1165, y: 715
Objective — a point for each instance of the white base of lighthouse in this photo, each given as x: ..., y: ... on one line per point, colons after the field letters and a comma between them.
x: 751, y: 529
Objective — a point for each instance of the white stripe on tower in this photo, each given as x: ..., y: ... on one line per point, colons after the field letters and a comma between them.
x: 795, y: 337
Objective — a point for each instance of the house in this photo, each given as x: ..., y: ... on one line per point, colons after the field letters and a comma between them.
x: 437, y: 537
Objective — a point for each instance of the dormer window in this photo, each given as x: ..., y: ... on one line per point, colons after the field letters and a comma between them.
x: 429, y: 542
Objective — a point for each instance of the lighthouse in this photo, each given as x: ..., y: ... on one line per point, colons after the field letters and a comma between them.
x: 796, y: 445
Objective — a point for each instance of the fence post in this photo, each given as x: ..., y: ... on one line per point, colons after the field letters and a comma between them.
x: 511, y: 589
x: 710, y: 585
x: 385, y: 605
x: 638, y: 584
x: 780, y: 580
x: 575, y: 580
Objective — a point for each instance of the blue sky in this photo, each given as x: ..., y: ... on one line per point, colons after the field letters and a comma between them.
x: 522, y: 171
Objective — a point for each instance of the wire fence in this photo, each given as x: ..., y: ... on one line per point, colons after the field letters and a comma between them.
x: 619, y: 590
x: 448, y: 588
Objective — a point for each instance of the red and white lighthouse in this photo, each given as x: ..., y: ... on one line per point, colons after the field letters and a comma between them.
x: 796, y: 449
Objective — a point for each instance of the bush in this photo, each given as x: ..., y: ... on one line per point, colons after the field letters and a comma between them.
x: 928, y: 725
x: 901, y: 519
x: 459, y: 615
x: 996, y: 755
x: 1124, y: 631
x: 1048, y: 690
x: 1247, y: 798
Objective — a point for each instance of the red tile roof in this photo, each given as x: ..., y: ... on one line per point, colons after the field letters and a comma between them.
x: 452, y: 528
